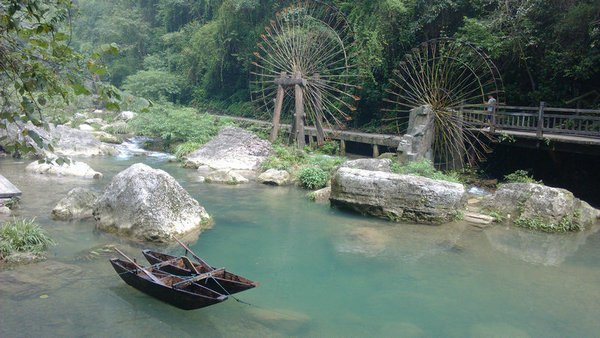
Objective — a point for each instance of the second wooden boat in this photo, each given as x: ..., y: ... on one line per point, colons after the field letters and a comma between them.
x: 221, y: 281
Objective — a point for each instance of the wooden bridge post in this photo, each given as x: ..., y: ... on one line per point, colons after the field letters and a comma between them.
x: 319, y: 114
x: 277, y: 112
x: 299, y: 116
x: 540, y: 126
x: 493, y: 121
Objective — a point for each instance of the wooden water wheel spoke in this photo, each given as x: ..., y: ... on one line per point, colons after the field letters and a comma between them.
x: 446, y: 73
x: 303, y: 71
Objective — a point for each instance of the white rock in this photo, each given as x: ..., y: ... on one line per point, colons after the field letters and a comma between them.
x: 74, y: 168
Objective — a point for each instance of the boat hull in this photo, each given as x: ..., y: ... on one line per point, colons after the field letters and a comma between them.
x: 193, y: 296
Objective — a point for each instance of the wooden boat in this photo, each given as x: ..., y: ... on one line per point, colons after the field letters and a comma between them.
x: 184, y: 293
x: 220, y: 281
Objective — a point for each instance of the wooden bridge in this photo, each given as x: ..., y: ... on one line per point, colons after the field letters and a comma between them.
x: 375, y: 141
x: 565, y: 129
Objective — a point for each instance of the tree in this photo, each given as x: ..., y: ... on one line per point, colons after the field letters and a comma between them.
x: 37, y: 63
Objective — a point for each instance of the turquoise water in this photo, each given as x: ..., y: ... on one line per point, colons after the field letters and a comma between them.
x: 323, y: 272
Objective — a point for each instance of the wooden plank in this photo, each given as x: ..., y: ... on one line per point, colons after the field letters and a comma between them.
x: 287, y: 82
x: 7, y: 189
x: 198, y: 278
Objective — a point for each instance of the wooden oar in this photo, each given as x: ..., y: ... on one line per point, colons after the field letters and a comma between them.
x: 148, y: 273
x: 203, y: 263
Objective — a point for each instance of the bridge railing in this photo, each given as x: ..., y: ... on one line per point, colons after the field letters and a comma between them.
x: 539, y: 120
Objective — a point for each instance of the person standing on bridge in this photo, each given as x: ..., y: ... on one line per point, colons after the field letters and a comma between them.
x: 490, y: 109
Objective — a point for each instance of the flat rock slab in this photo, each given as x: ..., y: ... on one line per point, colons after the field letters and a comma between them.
x: 7, y: 189
x: 406, y: 198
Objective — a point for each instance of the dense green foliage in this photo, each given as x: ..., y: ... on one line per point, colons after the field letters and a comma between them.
x: 201, y: 50
x: 521, y: 176
x: 22, y: 235
x: 423, y: 168
x: 39, y: 67
x: 176, y: 125
x: 313, y: 177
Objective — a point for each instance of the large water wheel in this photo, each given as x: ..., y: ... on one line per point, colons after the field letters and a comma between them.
x: 303, y: 68
x: 448, y: 74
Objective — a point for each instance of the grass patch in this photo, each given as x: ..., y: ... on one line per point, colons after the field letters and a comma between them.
x: 566, y: 224
x: 22, y: 235
x: 423, y: 168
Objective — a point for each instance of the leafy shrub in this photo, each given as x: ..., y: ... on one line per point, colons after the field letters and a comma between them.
x: 324, y: 162
x: 423, y: 168
x: 521, y: 176
x: 22, y: 235
x: 176, y: 125
x: 313, y: 177
x: 330, y: 147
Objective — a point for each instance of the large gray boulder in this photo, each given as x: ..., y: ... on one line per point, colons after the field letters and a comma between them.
x: 233, y: 149
x: 78, y: 203
x: 74, y: 168
x: 148, y: 204
x: 407, y: 198
x: 73, y: 142
x: 530, y: 201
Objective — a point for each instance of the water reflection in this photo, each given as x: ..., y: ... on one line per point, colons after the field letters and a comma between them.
x: 409, y: 242
x: 537, y: 247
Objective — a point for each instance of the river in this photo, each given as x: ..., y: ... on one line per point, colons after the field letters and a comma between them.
x: 323, y: 272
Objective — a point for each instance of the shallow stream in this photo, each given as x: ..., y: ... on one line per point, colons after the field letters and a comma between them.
x: 323, y: 272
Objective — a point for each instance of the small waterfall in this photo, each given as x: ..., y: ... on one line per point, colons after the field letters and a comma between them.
x: 132, y: 147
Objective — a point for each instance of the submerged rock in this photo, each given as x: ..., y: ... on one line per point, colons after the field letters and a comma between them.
x: 30, y: 281
x: 78, y: 203
x: 233, y: 149
x: 275, y: 177
x: 397, y: 197
x: 553, y: 209
x: 537, y: 247
x: 282, y: 319
x: 72, y: 168
x: 225, y: 176
x: 148, y: 204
